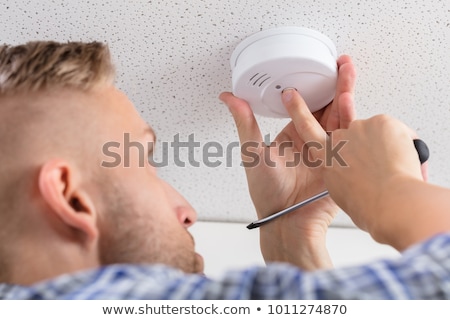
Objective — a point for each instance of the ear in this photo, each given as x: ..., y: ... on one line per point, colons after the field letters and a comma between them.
x: 60, y: 188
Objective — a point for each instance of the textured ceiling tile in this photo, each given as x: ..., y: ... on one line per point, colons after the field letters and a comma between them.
x: 173, y: 60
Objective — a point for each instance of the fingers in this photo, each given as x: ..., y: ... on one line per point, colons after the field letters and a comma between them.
x: 342, y: 111
x: 347, y: 75
x: 331, y: 119
x: 244, y: 118
x: 308, y: 129
x: 346, y: 107
x: 345, y: 91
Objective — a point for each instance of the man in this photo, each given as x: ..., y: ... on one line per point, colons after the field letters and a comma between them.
x: 74, y: 229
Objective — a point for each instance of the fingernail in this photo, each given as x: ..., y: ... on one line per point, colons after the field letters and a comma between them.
x: 287, y: 94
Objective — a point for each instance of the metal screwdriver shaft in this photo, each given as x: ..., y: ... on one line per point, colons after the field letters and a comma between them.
x: 259, y: 223
x: 422, y: 151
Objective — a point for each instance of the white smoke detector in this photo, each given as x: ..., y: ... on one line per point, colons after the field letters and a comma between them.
x: 288, y: 57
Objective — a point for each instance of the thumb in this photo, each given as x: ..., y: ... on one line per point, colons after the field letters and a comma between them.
x: 244, y: 118
x: 306, y: 125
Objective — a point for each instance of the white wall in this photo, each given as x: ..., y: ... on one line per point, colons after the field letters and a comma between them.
x: 226, y: 246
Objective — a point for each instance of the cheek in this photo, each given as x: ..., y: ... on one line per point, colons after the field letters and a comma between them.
x: 149, y: 195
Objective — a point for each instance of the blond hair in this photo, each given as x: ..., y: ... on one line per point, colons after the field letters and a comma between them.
x: 41, y: 65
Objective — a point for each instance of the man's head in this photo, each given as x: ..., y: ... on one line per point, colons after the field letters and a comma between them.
x: 61, y: 210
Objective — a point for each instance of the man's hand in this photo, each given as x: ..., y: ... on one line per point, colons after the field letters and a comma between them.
x: 282, y: 178
x: 381, y: 185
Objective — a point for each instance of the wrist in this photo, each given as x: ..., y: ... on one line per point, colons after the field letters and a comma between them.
x: 302, y: 243
x: 410, y: 211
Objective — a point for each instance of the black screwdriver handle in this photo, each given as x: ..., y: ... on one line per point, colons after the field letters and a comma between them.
x: 422, y: 150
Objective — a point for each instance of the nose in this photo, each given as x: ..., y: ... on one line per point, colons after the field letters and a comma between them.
x: 185, y: 214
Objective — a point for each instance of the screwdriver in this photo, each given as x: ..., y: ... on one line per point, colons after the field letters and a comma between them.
x: 422, y: 151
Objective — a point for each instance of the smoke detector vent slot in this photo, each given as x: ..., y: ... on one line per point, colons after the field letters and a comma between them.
x: 294, y: 57
x: 254, y: 76
x: 258, y: 79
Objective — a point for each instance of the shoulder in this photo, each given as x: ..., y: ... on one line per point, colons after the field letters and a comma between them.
x: 120, y: 281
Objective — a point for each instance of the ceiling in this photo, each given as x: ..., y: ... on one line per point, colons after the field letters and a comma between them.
x: 172, y: 59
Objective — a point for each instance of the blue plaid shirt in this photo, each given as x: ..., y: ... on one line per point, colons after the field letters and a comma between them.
x: 422, y: 272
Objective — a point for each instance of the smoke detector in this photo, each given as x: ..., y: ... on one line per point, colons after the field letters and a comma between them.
x: 271, y: 60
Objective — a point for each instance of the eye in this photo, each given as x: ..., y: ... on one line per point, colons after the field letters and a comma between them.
x: 150, y: 147
x: 150, y: 154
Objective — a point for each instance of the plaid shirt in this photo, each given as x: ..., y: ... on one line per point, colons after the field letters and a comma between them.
x: 422, y: 272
